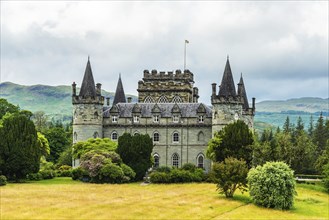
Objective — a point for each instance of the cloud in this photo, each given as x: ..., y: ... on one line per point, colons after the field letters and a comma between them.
x: 280, y: 47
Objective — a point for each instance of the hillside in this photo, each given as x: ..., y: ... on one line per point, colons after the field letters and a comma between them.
x: 56, y: 102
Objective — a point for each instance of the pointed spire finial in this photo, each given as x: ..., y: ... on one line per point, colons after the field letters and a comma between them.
x: 88, y: 57
x: 228, y: 57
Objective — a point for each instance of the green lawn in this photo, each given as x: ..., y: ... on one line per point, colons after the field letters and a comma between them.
x: 62, y: 198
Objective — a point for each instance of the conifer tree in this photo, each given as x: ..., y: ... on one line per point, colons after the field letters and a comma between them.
x: 320, y: 135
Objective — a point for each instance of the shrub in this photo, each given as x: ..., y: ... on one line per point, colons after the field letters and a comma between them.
x: 34, y: 176
x: 111, y: 173
x: 3, y: 180
x: 163, y: 169
x: 189, y: 167
x: 159, y: 177
x: 230, y: 175
x: 128, y: 172
x: 64, y: 171
x: 180, y: 176
x: 79, y: 174
x: 47, y: 174
x: 272, y: 185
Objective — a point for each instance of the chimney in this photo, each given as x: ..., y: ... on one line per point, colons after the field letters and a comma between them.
x: 74, y: 89
x: 108, y: 101
x: 129, y: 99
x: 214, y: 89
x: 253, y: 104
x: 98, y: 89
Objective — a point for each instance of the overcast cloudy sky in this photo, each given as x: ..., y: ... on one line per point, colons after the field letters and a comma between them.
x: 280, y: 47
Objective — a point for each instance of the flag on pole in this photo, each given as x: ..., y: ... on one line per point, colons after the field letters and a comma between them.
x: 186, y: 41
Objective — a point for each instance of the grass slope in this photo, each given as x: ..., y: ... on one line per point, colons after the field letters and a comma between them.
x: 62, y: 198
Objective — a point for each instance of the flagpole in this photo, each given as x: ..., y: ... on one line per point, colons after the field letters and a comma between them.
x: 184, y: 54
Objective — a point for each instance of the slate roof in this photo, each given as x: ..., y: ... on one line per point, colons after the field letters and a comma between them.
x: 88, y: 84
x: 227, y: 87
x: 242, y: 92
x: 120, y: 96
x: 187, y: 110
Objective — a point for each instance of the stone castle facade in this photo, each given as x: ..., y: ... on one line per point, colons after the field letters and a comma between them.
x: 167, y: 109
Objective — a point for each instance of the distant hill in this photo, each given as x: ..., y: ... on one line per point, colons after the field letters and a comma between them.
x: 57, y: 103
x: 307, y: 104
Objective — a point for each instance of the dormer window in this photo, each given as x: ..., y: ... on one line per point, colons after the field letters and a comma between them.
x: 201, y: 118
x: 136, y: 119
x: 175, y: 119
x: 114, y: 119
x: 156, y: 118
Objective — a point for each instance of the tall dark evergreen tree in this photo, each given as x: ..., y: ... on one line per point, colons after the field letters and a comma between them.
x: 311, y: 127
x: 135, y: 151
x: 236, y: 142
x: 320, y: 135
x: 19, y: 147
x: 287, y: 126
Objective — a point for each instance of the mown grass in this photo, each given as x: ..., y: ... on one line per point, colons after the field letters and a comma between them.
x: 62, y: 198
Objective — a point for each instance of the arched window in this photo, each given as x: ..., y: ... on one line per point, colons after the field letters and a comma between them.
x: 148, y: 99
x: 156, y: 160
x: 136, y: 133
x: 175, y: 137
x: 163, y: 99
x: 175, y: 160
x: 75, y: 136
x: 201, y: 136
x: 96, y: 115
x: 177, y: 99
x: 156, y: 137
x: 200, y: 161
x: 96, y: 134
x: 114, y: 136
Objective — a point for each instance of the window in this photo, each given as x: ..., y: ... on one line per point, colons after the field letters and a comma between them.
x: 175, y: 137
x: 136, y: 133
x: 175, y: 119
x: 148, y: 99
x: 136, y: 118
x: 155, y: 118
x: 156, y: 137
x: 96, y: 134
x: 156, y: 160
x: 201, y: 118
x: 175, y: 160
x: 163, y: 99
x: 200, y: 161
x: 114, y: 136
x: 75, y: 136
x: 200, y: 136
x: 95, y: 115
x: 114, y: 119
x: 177, y: 99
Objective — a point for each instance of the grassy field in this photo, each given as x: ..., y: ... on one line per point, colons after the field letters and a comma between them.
x: 62, y: 198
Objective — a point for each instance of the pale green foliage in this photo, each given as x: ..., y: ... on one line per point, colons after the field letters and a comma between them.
x: 326, y: 176
x: 212, y: 145
x: 43, y: 144
x: 230, y: 175
x: 104, y: 144
x: 272, y: 185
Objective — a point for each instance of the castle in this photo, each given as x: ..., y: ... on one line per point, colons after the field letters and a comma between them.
x: 167, y: 109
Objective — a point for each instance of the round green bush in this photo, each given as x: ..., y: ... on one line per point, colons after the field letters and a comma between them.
x: 3, y: 180
x: 159, y: 177
x: 272, y: 185
x: 34, y: 176
x: 111, y: 173
x: 128, y: 172
x: 163, y: 169
x: 189, y: 167
x: 79, y: 174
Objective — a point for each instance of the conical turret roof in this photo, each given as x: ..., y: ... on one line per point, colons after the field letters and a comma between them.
x: 88, y: 84
x: 227, y: 87
x: 120, y: 96
x: 242, y: 93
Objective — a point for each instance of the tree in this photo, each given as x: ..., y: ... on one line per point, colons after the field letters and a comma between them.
x: 230, y: 175
x: 236, y: 141
x: 19, y: 147
x: 40, y: 120
x: 65, y: 158
x: 287, y: 126
x: 311, y: 127
x: 96, y: 144
x: 58, y: 142
x: 272, y: 185
x: 135, y: 151
x: 320, y: 135
x: 284, y: 146
x: 6, y: 107
x: 43, y: 144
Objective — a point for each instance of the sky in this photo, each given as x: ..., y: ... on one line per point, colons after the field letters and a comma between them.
x: 280, y: 47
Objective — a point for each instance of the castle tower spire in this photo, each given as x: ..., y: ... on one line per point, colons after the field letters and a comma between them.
x: 227, y: 87
x: 242, y: 93
x: 119, y: 93
x: 88, y: 83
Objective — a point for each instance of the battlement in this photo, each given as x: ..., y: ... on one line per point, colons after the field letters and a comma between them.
x: 87, y: 100
x: 170, y: 75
